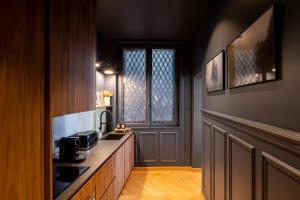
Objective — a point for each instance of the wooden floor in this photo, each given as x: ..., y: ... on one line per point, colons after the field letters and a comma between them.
x: 179, y: 183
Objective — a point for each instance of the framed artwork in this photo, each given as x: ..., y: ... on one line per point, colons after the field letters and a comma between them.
x: 215, y: 73
x: 251, y: 57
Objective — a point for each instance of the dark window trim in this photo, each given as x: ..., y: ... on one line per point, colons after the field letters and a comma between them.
x: 149, y: 46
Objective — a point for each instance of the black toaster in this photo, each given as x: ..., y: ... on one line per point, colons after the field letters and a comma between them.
x: 87, y: 139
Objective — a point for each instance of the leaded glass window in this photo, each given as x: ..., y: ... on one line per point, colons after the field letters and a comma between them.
x: 149, y: 86
x: 163, y: 74
x: 134, y: 85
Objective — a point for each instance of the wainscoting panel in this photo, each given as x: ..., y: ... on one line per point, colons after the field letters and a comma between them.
x: 280, y: 180
x: 241, y: 169
x: 168, y: 147
x: 207, y: 178
x: 147, y: 145
x: 219, y: 147
x: 248, y: 160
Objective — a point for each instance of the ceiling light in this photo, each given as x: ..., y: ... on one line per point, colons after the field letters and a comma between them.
x: 97, y: 64
x: 108, y: 72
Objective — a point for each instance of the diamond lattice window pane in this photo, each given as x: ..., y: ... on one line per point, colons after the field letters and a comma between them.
x: 134, y: 85
x: 163, y: 75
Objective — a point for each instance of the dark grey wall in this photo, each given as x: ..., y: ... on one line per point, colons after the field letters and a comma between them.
x: 197, y: 119
x: 275, y: 103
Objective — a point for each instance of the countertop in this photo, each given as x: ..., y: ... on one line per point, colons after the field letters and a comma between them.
x: 95, y: 158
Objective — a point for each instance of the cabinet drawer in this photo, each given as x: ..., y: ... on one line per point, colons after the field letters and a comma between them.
x: 87, y: 192
x: 109, y: 193
x: 105, y: 176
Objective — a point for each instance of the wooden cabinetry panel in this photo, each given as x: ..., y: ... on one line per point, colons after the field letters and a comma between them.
x: 109, y: 193
x: 119, y: 180
x: 108, y: 181
x: 59, y: 57
x: 72, y: 56
x: 132, y: 153
x: 129, y: 156
x: 82, y: 53
x: 87, y: 192
x: 105, y: 176
x: 22, y: 99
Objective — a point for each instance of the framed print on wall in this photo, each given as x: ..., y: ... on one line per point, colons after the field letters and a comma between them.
x: 251, y: 57
x: 215, y: 73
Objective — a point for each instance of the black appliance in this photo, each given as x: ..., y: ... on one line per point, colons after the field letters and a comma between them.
x: 69, y: 150
x: 64, y: 176
x: 87, y: 139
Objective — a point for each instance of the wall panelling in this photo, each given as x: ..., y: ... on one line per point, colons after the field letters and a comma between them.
x: 207, y: 126
x: 246, y: 160
x: 241, y: 169
x: 219, y: 153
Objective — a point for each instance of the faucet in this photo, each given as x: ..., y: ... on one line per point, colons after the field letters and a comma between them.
x: 108, y: 125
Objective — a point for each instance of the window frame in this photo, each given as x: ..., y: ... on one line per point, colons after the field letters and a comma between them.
x: 148, y: 112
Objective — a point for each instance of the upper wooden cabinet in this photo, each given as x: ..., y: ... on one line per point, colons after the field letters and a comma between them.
x: 82, y: 55
x: 72, y: 56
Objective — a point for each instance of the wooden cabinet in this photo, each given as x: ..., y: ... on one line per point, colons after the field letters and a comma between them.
x: 119, y: 181
x: 128, y: 157
x: 72, y: 56
x: 105, y: 176
x: 109, y: 193
x: 59, y: 57
x: 88, y: 191
x: 22, y: 99
x: 82, y: 55
x: 109, y: 180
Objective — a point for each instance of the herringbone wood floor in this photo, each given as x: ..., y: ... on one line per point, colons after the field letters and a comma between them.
x: 173, y: 184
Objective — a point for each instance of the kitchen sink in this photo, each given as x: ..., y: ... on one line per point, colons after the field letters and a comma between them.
x: 113, y: 136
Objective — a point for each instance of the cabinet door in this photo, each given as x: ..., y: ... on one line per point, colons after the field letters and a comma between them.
x: 72, y: 56
x: 132, y: 152
x: 82, y: 55
x: 87, y: 192
x: 22, y: 99
x: 128, y: 156
x: 105, y: 176
x: 119, y: 181
x: 59, y: 57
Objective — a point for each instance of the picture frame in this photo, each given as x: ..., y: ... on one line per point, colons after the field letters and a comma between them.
x: 252, y: 57
x: 215, y: 73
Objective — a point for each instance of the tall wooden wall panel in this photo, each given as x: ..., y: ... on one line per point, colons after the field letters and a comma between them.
x: 22, y: 99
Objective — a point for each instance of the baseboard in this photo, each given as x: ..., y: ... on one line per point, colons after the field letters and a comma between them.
x: 167, y: 168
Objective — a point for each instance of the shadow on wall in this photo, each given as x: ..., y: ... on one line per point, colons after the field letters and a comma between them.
x: 225, y: 23
x: 207, y: 41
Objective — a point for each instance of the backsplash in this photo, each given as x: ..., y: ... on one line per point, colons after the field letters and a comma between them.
x: 67, y: 125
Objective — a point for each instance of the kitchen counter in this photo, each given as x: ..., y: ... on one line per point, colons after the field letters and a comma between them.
x: 95, y: 158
